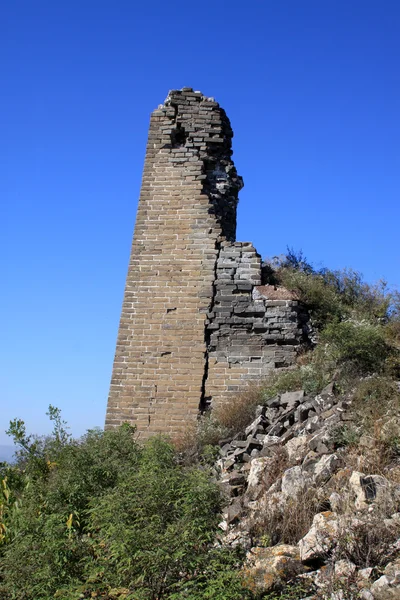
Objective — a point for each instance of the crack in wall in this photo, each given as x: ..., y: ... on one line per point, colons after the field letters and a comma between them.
x: 205, y: 401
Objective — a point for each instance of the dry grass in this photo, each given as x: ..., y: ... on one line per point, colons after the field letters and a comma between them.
x: 240, y: 411
x: 366, y: 544
x: 199, y: 440
x: 289, y: 523
x: 376, y: 460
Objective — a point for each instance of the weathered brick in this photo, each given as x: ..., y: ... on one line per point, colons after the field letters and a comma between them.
x: 178, y: 340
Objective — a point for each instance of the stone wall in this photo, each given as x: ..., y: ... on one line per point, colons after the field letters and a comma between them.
x: 249, y: 331
x: 195, y: 323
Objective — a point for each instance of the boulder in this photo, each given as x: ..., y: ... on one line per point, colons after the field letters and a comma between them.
x: 256, y: 477
x: 344, y: 569
x: 326, y: 466
x: 369, y: 489
x: 232, y: 512
x: 384, y: 589
x: 295, y: 481
x: 392, y: 571
x: 320, y: 539
x: 292, y: 399
x: 297, y: 448
x: 268, y: 568
x: 321, y: 442
x: 366, y: 595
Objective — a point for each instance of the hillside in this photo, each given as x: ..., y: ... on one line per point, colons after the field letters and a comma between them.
x: 292, y: 490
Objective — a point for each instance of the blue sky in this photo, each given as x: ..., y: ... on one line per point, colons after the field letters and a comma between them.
x: 312, y: 90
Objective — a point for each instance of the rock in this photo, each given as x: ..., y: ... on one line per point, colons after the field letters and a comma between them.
x: 366, y: 595
x: 382, y: 589
x: 328, y: 390
x: 274, y: 402
x: 258, y: 469
x: 287, y: 436
x: 325, y: 468
x: 239, y: 443
x: 271, y: 440
x: 229, y: 463
x: 344, y: 568
x: 392, y: 571
x: 233, y: 512
x: 256, y: 426
x: 368, y: 489
x: 292, y: 399
x: 223, y: 525
x: 237, y: 478
x: 260, y: 410
x: 238, y: 537
x: 303, y: 411
x: 320, y: 539
x: 366, y: 441
x: 310, y: 459
x: 277, y: 429
x: 225, y: 449
x: 268, y: 568
x: 320, y: 442
x: 364, y: 574
x: 294, y: 481
x: 336, y: 501
x: 297, y: 448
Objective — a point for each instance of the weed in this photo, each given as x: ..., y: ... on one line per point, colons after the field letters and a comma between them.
x: 286, y: 524
x: 345, y: 435
x: 357, y: 343
x: 235, y: 417
x: 366, y: 543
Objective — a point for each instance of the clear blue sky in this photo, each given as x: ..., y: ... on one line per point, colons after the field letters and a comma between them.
x: 312, y: 90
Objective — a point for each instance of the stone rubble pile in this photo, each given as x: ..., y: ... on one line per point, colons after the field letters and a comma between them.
x: 283, y: 418
x: 288, y: 453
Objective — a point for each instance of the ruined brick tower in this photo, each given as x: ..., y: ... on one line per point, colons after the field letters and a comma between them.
x: 194, y: 324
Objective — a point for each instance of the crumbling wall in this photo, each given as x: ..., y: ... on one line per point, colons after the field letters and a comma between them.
x: 249, y: 330
x: 187, y: 206
x: 195, y: 323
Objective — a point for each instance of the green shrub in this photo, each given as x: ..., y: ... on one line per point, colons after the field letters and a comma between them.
x: 333, y: 295
x: 311, y: 377
x: 320, y: 298
x: 107, y: 518
x: 359, y: 344
x: 374, y: 398
x: 345, y: 435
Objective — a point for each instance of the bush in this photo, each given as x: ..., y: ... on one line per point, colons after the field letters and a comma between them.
x: 345, y: 435
x: 333, y: 295
x: 310, y: 377
x: 374, y: 398
x: 366, y: 544
x: 102, y: 517
x: 360, y: 345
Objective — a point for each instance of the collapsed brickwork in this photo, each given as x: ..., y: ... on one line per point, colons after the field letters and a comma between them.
x: 196, y: 323
x: 249, y: 331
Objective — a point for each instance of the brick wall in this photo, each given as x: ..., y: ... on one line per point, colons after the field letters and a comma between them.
x: 249, y: 332
x: 187, y: 206
x: 195, y: 325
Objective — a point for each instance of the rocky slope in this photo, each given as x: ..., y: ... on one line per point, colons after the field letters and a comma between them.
x: 314, y: 514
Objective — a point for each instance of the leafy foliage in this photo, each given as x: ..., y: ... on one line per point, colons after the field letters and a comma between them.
x: 103, y: 517
x: 334, y: 295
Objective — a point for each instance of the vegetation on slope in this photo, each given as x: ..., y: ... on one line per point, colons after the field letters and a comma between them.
x: 355, y: 333
x: 103, y: 517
